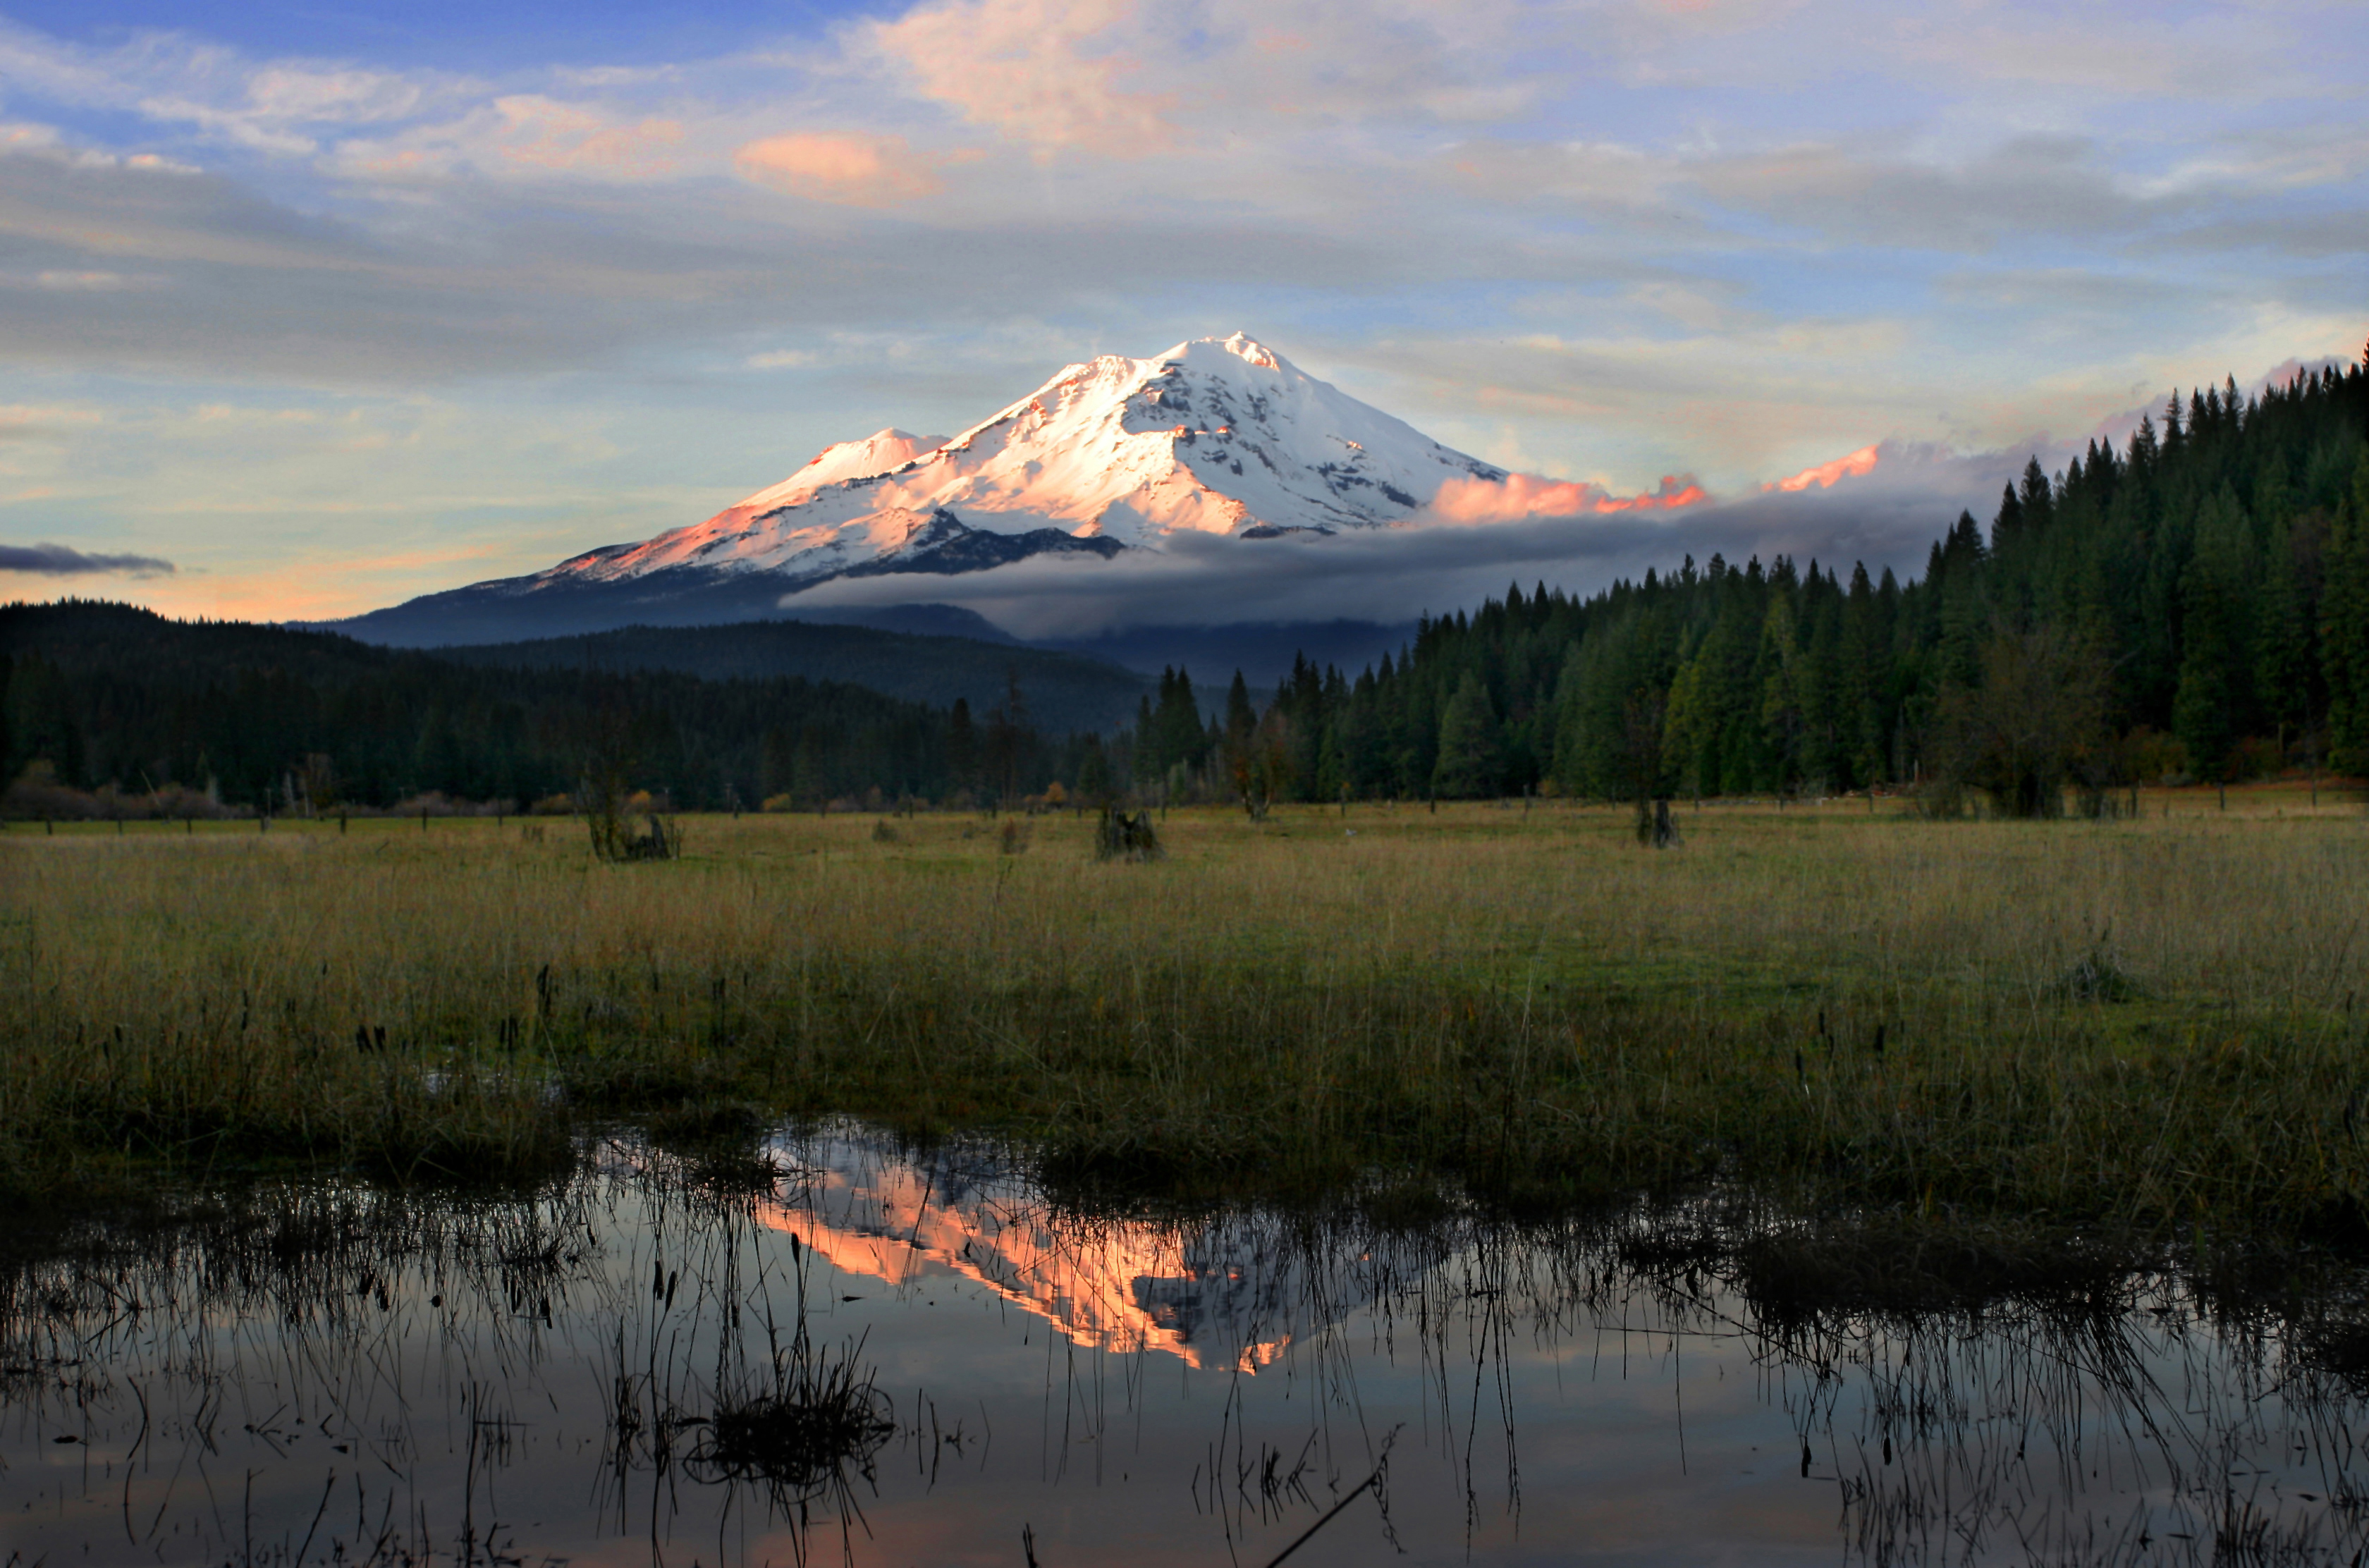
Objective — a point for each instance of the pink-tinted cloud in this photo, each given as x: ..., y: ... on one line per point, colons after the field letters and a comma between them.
x: 849, y: 169
x: 1824, y: 476
x: 1519, y: 496
x: 548, y: 134
x: 525, y: 133
x: 1054, y: 74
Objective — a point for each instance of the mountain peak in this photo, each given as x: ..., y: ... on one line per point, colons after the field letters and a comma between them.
x: 1241, y: 345
x: 1219, y: 435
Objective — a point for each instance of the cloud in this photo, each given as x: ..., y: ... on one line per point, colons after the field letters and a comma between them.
x: 1474, y: 500
x: 1134, y: 79
x: 59, y: 561
x: 1886, y: 514
x: 2032, y: 184
x: 2236, y: 52
x: 847, y: 167
x: 35, y: 422
x: 2311, y: 235
x: 291, y: 93
x: 1052, y: 74
x: 275, y: 107
x: 524, y: 133
x: 283, y: 107
x: 233, y: 285
x: 1825, y: 475
x: 1608, y: 176
x: 1390, y: 575
x: 80, y: 279
x: 484, y: 278
x: 552, y: 135
x: 22, y: 140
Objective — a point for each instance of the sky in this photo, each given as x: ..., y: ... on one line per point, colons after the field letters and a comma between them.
x: 307, y: 307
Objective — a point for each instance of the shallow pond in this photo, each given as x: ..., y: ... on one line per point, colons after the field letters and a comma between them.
x: 601, y: 1375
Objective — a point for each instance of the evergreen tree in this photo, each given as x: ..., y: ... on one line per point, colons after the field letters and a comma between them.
x: 1146, y: 748
x: 1094, y: 773
x: 2207, y: 707
x: 2282, y: 639
x: 2344, y: 627
x: 1182, y: 741
x: 1466, y: 764
x: 962, y: 745
x: 1242, y: 717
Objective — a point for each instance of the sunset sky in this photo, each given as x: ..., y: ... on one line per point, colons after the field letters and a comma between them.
x: 328, y: 304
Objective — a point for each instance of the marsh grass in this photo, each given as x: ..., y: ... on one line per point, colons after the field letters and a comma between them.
x: 1854, y: 1009
x: 823, y: 1415
x: 805, y: 1424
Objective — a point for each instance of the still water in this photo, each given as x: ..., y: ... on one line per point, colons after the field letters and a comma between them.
x: 341, y: 1377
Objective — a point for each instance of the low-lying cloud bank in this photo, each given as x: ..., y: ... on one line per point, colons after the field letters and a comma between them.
x: 1522, y: 495
x: 62, y: 561
x: 1884, y: 507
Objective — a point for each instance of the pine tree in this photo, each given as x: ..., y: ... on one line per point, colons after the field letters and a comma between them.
x: 2007, y: 528
x: 2344, y: 626
x: 1862, y: 662
x: 1094, y: 773
x: 1146, y: 742
x: 1781, y: 688
x: 1467, y: 762
x: 1956, y: 577
x: 2208, y: 705
x: 2283, y: 640
x: 962, y: 745
x: 1242, y: 718
x: 1180, y: 742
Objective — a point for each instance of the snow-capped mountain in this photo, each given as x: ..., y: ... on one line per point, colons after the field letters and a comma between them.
x: 1218, y: 436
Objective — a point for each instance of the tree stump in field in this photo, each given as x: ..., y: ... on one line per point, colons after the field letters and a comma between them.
x: 1125, y: 835
x: 663, y: 841
x: 1655, y: 830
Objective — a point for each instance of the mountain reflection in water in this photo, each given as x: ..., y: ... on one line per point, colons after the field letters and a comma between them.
x: 597, y: 1375
x: 1214, y: 1292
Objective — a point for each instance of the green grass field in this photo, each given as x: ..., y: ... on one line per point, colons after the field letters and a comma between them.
x: 2144, y: 1023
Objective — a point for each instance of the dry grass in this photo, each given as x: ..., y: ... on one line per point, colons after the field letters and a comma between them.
x: 1864, y: 1008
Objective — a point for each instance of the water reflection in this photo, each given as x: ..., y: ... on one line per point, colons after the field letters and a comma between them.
x: 1218, y: 1293
x: 609, y: 1373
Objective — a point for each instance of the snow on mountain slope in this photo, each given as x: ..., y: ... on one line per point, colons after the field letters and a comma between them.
x: 877, y: 453
x: 1216, y: 436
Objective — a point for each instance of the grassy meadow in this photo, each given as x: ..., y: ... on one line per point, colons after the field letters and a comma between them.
x: 2144, y: 1024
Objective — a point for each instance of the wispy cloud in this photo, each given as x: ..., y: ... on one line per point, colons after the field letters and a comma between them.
x: 62, y: 561
x: 847, y: 167
x: 1052, y: 74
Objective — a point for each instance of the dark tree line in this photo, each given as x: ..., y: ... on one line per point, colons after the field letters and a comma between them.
x: 2195, y: 604
x: 263, y: 717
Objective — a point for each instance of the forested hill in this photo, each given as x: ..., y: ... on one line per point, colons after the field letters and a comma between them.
x: 2193, y: 605
x: 1065, y: 691
x: 104, y: 696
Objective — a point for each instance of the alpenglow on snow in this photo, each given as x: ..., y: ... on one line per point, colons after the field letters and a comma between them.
x: 1218, y: 436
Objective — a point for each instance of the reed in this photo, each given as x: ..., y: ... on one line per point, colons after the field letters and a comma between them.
x: 2150, y: 1023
